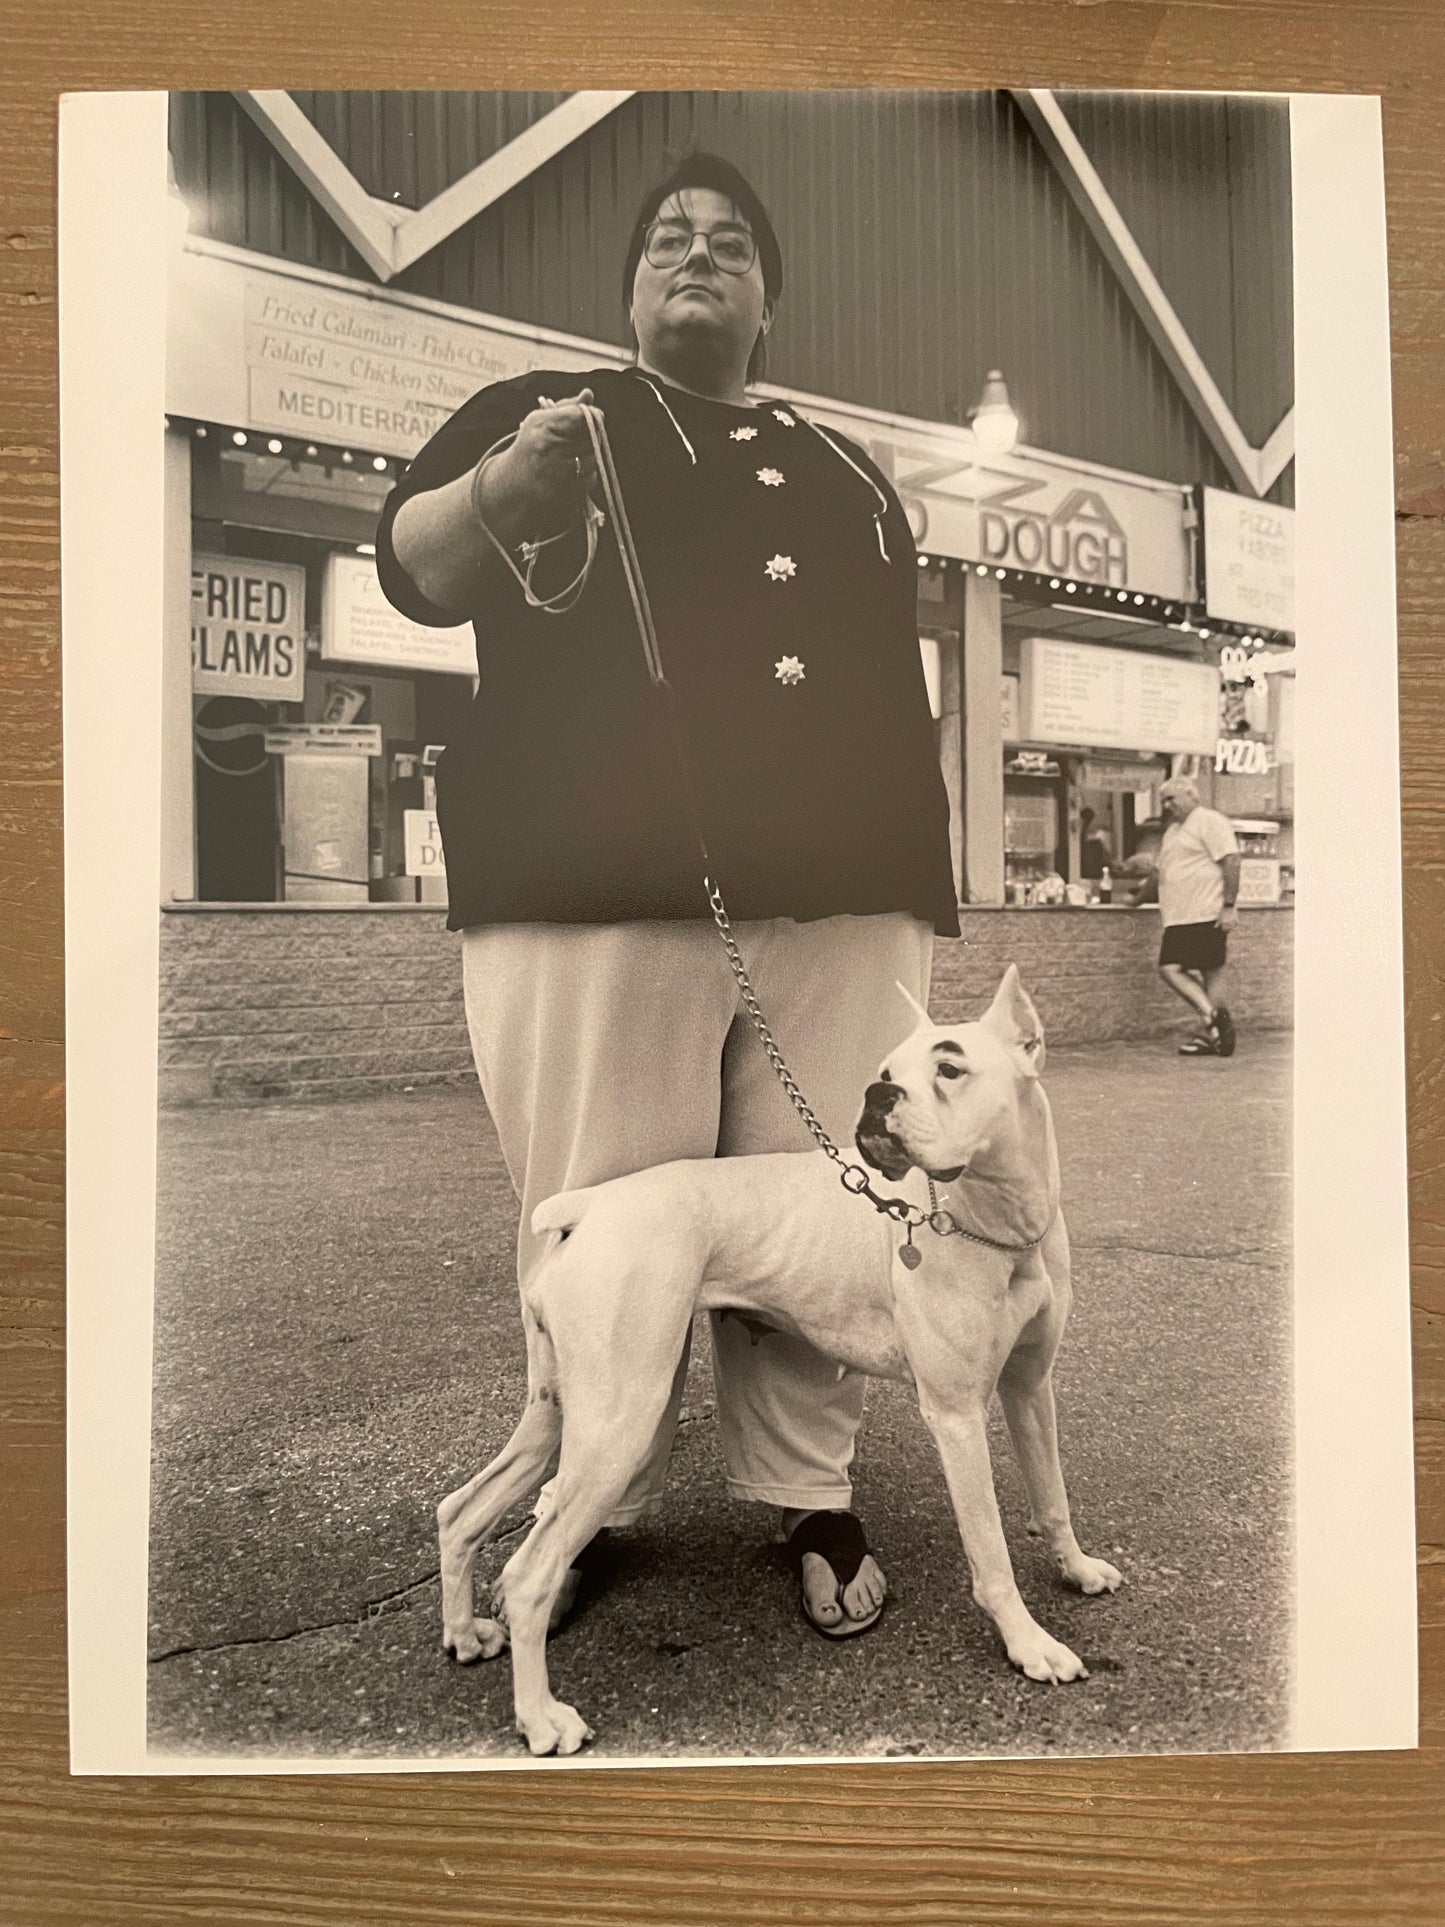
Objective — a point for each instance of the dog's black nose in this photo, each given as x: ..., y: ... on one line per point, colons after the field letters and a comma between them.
x: 881, y: 1097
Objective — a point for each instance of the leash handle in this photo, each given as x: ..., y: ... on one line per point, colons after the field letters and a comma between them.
x: 622, y: 530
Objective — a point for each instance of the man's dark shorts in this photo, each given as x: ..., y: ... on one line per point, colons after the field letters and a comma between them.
x: 1193, y: 946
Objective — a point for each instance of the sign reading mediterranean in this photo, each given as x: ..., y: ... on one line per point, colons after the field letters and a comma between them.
x: 386, y: 378
x: 248, y: 628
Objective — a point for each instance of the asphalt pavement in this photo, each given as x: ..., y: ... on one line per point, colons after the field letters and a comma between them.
x: 338, y: 1344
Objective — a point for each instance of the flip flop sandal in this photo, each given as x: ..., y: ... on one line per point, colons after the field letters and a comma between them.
x: 1200, y: 1047
x: 1224, y: 1030
x: 838, y: 1539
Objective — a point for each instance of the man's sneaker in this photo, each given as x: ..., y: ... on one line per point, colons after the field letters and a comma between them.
x: 1205, y: 1045
x: 1224, y: 1030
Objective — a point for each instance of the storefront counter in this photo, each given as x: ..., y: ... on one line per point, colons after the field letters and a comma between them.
x: 294, y: 1001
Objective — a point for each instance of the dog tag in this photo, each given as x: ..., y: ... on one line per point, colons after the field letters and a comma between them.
x: 911, y: 1256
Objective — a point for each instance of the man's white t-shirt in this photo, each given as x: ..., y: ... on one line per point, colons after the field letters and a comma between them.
x: 1191, y: 888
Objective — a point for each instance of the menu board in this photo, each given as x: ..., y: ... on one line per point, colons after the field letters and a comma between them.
x: 1073, y: 692
x: 358, y: 624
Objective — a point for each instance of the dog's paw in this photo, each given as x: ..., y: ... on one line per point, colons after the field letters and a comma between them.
x: 476, y: 1639
x: 1044, y: 1658
x: 555, y: 1728
x: 1092, y: 1575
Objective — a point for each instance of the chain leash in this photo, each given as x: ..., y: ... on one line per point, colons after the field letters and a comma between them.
x: 853, y: 1177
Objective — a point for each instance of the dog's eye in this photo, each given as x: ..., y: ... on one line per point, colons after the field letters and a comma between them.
x: 951, y: 1070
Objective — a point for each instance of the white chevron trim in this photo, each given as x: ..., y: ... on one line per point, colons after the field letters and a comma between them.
x: 420, y: 232
x: 1254, y: 470
x: 389, y: 238
x: 363, y: 219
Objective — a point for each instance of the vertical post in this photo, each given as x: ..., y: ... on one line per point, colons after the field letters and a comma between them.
x: 982, y: 732
x: 1073, y: 827
x: 178, y: 770
x: 950, y: 747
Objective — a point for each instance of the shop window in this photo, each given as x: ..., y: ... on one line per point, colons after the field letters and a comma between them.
x: 334, y: 807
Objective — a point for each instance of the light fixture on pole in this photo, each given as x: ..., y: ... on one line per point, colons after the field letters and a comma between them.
x: 994, y: 423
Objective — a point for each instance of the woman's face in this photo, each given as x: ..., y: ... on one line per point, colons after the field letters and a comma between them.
x: 692, y: 312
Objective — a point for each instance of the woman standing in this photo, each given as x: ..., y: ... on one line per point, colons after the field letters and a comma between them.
x: 604, y: 1017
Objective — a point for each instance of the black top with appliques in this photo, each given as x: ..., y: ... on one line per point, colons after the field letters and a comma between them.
x: 790, y: 642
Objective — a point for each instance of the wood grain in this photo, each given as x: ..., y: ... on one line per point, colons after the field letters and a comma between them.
x: 1318, y: 1840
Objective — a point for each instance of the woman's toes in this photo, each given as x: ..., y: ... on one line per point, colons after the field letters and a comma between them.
x: 820, y: 1589
x: 866, y: 1591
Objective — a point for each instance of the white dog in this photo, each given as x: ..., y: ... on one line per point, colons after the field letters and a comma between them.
x: 779, y: 1238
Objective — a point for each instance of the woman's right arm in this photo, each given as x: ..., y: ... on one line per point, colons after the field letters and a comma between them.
x: 534, y: 488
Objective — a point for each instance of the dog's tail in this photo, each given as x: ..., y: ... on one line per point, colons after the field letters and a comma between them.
x: 561, y: 1213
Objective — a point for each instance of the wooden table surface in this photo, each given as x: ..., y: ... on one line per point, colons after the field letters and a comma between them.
x: 1303, y: 1839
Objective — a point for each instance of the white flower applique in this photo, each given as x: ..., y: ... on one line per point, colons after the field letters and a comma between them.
x: 789, y: 670
x: 742, y: 434
x: 771, y: 477
x: 781, y: 567
x: 781, y: 415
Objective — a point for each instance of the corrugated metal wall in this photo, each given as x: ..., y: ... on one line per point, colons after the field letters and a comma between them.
x: 406, y: 148
x: 1204, y: 186
x: 925, y: 237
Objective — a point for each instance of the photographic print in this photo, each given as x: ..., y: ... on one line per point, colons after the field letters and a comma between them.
x: 725, y: 952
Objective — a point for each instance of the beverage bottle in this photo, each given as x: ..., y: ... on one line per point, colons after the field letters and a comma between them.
x: 1106, y: 886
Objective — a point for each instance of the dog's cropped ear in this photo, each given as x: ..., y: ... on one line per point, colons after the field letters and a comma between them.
x: 913, y: 1004
x: 1012, y: 1017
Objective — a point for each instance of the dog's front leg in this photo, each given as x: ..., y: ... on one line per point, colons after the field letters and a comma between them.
x: 529, y: 1582
x: 962, y: 1437
x: 1026, y: 1392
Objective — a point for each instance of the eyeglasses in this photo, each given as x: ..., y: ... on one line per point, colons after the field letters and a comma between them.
x: 732, y: 250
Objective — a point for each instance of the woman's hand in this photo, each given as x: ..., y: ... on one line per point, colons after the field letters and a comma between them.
x: 541, y: 481
x: 533, y: 489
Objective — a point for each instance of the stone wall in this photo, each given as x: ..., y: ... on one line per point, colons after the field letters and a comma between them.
x: 278, y: 1003
x: 300, y: 1003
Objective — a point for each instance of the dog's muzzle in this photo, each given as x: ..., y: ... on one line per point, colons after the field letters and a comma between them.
x: 874, y: 1137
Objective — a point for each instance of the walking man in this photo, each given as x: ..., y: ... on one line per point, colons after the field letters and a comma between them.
x: 1198, y: 884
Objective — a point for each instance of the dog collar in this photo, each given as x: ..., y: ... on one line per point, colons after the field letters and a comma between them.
x: 943, y: 1224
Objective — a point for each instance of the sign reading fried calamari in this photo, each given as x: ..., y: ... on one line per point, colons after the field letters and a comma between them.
x: 311, y: 355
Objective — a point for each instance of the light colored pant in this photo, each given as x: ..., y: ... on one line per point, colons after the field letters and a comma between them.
x: 608, y: 1048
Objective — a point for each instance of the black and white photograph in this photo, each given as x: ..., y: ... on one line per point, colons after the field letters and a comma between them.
x: 725, y: 1151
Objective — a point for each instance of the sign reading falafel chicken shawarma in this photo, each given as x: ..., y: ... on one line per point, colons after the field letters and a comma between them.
x: 358, y: 624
